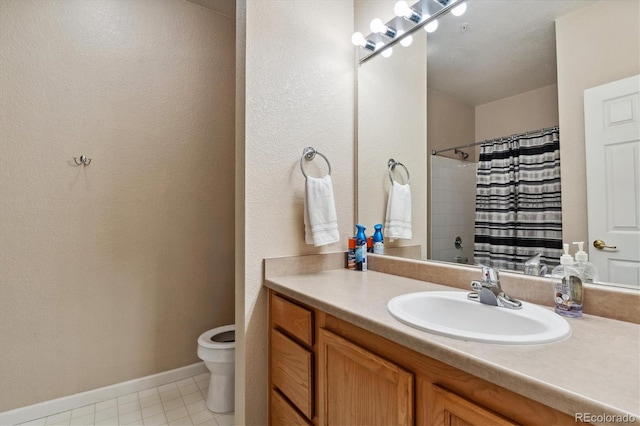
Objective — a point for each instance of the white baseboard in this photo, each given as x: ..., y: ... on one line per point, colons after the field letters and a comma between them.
x: 60, y: 405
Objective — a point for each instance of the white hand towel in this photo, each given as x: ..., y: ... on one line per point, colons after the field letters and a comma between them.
x: 398, y: 221
x: 320, y: 219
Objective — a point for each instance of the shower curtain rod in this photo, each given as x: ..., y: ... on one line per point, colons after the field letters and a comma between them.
x: 530, y: 132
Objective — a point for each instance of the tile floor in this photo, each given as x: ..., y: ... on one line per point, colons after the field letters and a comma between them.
x: 179, y: 403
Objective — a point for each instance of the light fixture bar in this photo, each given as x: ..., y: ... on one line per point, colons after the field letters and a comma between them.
x: 410, y: 31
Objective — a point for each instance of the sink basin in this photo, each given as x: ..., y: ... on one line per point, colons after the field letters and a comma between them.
x: 450, y: 313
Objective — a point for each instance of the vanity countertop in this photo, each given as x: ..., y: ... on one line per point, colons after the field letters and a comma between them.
x: 596, y: 370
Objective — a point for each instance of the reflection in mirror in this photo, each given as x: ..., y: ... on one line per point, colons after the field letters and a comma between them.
x: 491, y: 74
x: 392, y: 125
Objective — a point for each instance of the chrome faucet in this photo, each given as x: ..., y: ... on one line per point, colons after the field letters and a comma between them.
x: 533, y: 266
x: 489, y: 292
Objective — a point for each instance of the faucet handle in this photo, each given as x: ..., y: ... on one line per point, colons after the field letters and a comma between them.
x: 490, y: 274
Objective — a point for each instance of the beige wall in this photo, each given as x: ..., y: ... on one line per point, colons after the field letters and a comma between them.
x: 299, y: 92
x: 595, y: 45
x: 453, y: 123
x: 449, y: 123
x: 110, y: 272
x: 532, y: 110
x: 240, y: 211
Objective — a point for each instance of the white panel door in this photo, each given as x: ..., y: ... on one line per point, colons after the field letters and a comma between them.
x: 612, y: 137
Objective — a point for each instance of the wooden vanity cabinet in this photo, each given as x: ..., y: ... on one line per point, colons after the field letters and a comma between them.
x: 291, y: 362
x: 360, y: 388
x: 447, y: 408
x: 360, y: 378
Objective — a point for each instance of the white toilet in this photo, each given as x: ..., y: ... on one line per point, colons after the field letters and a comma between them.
x: 217, y: 349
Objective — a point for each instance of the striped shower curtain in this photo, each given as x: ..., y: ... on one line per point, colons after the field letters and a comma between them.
x: 518, y: 201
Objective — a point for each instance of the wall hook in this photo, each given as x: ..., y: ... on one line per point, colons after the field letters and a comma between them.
x: 84, y: 161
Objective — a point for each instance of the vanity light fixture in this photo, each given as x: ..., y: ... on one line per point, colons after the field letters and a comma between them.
x: 402, y: 9
x: 409, y: 19
x: 359, y: 40
x: 377, y: 26
x: 458, y: 10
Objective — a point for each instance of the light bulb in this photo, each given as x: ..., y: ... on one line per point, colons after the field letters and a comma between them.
x: 403, y: 10
x: 431, y: 26
x: 377, y: 26
x: 459, y: 10
x: 358, y: 39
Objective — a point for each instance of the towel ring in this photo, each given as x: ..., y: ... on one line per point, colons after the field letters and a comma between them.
x: 309, y: 154
x: 392, y: 165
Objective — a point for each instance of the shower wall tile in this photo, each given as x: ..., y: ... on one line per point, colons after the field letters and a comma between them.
x: 453, y: 185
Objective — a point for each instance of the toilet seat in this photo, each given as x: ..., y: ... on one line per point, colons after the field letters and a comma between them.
x: 205, y: 338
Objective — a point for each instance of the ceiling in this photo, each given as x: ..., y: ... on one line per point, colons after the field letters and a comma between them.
x: 497, y: 49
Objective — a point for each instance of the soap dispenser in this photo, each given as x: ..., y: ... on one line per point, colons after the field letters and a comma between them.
x: 567, y: 285
x: 378, y: 240
x: 361, y: 248
x: 588, y: 269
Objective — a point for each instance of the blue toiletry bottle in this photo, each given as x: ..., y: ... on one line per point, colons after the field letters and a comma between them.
x: 378, y: 241
x: 361, y: 249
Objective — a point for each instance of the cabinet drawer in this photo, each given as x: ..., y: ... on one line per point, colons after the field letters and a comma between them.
x: 291, y: 371
x: 282, y: 413
x: 294, y: 319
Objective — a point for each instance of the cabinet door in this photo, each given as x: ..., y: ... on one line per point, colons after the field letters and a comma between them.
x: 448, y: 409
x: 360, y: 388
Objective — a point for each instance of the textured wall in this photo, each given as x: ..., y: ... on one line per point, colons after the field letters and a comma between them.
x: 589, y: 58
x: 450, y: 123
x: 110, y: 272
x: 299, y: 92
x: 532, y: 110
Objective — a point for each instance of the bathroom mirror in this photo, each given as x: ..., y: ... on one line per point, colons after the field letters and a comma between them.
x: 472, y: 64
x: 391, y: 124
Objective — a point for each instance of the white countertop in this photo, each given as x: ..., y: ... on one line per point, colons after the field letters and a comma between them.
x: 596, y: 370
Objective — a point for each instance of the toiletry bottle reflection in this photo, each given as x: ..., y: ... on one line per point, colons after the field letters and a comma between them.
x: 588, y: 269
x: 378, y: 240
x: 351, y: 254
x: 568, y: 286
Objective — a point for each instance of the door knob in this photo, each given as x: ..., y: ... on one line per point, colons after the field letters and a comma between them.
x: 599, y: 244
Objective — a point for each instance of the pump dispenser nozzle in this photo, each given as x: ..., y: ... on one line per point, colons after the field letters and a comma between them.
x: 588, y: 269
x: 581, y: 256
x: 566, y: 258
